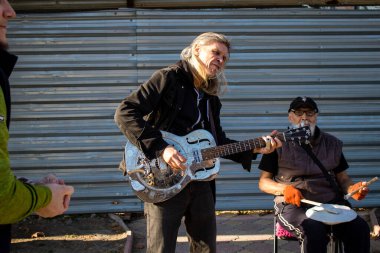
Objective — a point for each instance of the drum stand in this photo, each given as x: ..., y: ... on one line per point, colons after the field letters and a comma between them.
x: 335, y: 245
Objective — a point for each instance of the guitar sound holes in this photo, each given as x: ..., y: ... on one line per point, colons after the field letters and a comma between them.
x: 196, y: 141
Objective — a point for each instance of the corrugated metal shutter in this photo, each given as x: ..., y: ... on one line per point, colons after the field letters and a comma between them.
x: 74, y: 70
x: 243, y: 3
x: 54, y: 5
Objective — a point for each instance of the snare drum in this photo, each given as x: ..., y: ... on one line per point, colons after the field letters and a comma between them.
x: 342, y: 214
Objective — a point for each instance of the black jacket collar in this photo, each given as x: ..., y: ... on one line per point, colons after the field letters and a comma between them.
x: 7, y: 62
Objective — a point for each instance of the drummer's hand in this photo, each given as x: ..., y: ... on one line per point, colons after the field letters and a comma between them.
x: 360, y: 194
x: 292, y: 195
x: 271, y: 144
x: 174, y: 158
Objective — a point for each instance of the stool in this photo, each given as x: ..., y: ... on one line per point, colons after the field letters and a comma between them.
x: 335, y: 245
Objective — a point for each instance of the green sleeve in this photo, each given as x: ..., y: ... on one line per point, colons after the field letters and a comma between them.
x: 17, y: 199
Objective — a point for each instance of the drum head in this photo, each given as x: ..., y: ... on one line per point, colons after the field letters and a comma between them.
x: 343, y: 214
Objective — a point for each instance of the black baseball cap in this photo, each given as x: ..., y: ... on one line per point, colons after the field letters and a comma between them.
x: 303, y: 102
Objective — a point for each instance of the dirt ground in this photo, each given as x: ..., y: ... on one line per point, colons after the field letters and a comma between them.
x: 95, y: 233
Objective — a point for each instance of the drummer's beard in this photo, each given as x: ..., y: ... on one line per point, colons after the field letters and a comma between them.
x: 306, y: 123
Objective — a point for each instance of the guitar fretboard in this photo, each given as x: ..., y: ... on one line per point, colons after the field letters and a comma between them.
x: 236, y: 147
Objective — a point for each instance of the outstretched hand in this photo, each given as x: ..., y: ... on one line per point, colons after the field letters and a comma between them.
x: 60, y: 200
x: 51, y: 179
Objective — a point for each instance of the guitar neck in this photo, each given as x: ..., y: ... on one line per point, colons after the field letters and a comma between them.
x: 236, y: 147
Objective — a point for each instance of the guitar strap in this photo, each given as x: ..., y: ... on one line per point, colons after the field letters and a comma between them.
x: 212, y: 123
x: 326, y: 173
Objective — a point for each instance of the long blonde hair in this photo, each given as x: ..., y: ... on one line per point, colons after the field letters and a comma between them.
x: 214, y: 86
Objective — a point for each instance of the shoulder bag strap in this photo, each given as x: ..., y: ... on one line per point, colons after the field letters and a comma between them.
x: 326, y: 173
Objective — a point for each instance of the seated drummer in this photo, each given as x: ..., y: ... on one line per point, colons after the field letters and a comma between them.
x: 291, y: 175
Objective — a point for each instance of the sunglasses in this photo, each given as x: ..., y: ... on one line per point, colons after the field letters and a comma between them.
x: 299, y: 113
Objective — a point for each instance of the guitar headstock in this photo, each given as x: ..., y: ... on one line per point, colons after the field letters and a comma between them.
x: 297, y: 135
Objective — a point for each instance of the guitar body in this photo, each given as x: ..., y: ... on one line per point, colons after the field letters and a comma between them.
x: 154, y: 181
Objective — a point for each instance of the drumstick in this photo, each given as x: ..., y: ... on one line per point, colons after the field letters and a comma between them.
x: 324, y: 206
x: 348, y: 195
x: 311, y: 202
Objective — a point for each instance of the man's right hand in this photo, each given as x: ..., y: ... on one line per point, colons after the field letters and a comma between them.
x: 174, y: 158
x: 60, y: 200
x: 292, y: 195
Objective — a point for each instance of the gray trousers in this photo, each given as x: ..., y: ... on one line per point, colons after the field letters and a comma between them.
x: 196, y: 204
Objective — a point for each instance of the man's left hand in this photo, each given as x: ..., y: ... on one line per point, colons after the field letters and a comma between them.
x: 361, y: 194
x: 271, y: 144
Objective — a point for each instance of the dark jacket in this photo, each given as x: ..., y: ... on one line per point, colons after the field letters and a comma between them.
x: 167, y: 101
x: 7, y: 64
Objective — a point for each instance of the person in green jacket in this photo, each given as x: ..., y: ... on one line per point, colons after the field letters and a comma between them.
x: 18, y: 199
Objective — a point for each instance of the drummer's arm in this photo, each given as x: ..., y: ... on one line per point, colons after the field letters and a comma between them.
x: 344, y: 181
x: 268, y: 185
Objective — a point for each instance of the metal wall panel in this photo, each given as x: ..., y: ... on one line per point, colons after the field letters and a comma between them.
x: 65, y: 5
x: 244, y: 3
x: 74, y: 70
x: 71, y: 5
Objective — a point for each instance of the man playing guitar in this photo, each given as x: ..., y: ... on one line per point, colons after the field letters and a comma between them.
x: 179, y: 99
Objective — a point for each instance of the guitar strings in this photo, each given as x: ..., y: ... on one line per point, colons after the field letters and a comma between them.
x: 236, y: 147
x: 227, y: 149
